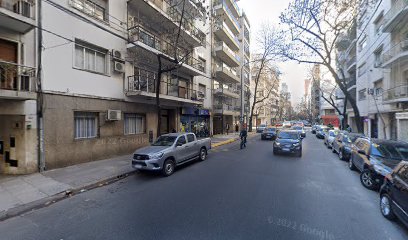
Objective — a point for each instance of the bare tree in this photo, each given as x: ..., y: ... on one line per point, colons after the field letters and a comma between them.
x: 263, y: 67
x: 311, y: 31
x: 173, y: 49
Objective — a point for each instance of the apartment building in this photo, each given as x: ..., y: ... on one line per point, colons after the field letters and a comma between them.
x: 374, y: 56
x: 245, y: 66
x: 315, y: 93
x: 266, y: 112
x: 327, y: 113
x: 100, y: 77
x: 18, y: 85
x: 226, y: 60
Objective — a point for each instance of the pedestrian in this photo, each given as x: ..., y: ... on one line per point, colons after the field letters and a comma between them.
x: 243, y: 135
x: 349, y: 129
x: 227, y: 128
x: 236, y: 128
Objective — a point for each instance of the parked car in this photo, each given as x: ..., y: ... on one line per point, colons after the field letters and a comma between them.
x: 394, y: 194
x: 286, y: 124
x: 279, y: 124
x: 329, y: 138
x: 260, y: 128
x: 288, y: 141
x: 314, y: 128
x: 169, y: 151
x: 321, y: 131
x: 342, y: 144
x: 300, y: 130
x: 375, y: 158
x: 269, y: 134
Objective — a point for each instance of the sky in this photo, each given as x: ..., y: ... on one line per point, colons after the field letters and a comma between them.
x: 264, y: 11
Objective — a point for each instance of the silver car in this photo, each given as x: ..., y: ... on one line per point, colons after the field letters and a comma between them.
x: 169, y: 151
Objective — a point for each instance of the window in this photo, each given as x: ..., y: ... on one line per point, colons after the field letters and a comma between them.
x: 362, y: 94
x: 86, y: 125
x: 378, y: 87
x: 362, y: 44
x: 190, y: 137
x: 362, y: 69
x: 92, y: 9
x: 378, y: 58
x: 90, y: 58
x: 134, y: 123
x: 378, y: 23
x: 181, y: 140
x: 202, y: 90
x: 201, y: 64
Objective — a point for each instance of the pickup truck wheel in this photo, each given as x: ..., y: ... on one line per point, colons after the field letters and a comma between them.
x: 203, y: 154
x: 168, y: 168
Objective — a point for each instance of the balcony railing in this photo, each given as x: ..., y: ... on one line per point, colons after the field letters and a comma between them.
x: 396, y: 93
x: 138, y: 33
x: 170, y: 7
x: 396, y: 7
x: 395, y: 50
x: 147, y: 83
x: 225, y: 4
x: 351, y: 62
x: 23, y: 8
x: 225, y: 107
x: 231, y: 90
x: 224, y: 67
x: 351, y: 82
x: 16, y: 77
x: 227, y: 49
x: 222, y: 25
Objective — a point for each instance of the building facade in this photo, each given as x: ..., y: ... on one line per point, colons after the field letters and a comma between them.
x: 373, y: 53
x: 18, y: 87
x: 231, y: 54
x: 103, y: 90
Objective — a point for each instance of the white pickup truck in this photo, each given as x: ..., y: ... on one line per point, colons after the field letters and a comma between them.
x: 169, y: 151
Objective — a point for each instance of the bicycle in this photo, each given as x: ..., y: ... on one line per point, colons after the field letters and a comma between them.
x: 243, y: 143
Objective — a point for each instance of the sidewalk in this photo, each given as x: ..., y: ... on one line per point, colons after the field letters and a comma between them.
x: 19, y: 194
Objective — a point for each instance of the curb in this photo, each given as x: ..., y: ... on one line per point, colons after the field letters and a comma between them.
x: 45, y: 202
x: 230, y: 141
x: 224, y: 142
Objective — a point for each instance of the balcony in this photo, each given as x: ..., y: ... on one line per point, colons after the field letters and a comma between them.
x: 229, y: 92
x: 396, y: 53
x: 226, y: 55
x: 144, y: 86
x: 222, y: 9
x: 396, y: 94
x: 351, y: 83
x: 224, y: 34
x: 396, y: 15
x: 17, y: 82
x: 167, y: 14
x: 150, y: 42
x: 351, y: 64
x: 17, y: 15
x: 226, y: 110
x: 226, y: 74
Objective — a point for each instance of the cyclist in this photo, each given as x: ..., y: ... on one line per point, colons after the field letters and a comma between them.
x: 243, y: 135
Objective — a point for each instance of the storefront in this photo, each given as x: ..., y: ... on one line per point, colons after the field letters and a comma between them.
x: 195, y: 120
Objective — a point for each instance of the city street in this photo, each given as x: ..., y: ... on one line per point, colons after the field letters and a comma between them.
x: 234, y: 194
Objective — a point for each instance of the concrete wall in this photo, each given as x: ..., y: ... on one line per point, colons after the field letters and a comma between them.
x: 61, y: 149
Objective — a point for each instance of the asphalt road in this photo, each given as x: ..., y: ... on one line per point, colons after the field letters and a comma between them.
x: 235, y: 194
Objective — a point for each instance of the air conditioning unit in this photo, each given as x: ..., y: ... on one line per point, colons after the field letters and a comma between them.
x: 114, y: 115
x: 119, y: 66
x: 117, y: 55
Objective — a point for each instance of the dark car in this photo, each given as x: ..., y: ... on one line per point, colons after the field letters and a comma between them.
x: 314, y: 128
x: 375, y: 158
x: 260, y: 128
x: 300, y: 130
x: 394, y: 194
x: 269, y: 134
x: 321, y: 131
x: 342, y: 144
x: 288, y: 141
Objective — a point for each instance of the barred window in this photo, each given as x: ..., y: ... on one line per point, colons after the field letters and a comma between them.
x: 134, y: 123
x: 86, y: 125
x: 90, y: 58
